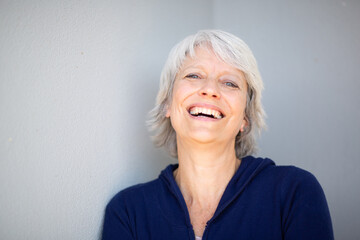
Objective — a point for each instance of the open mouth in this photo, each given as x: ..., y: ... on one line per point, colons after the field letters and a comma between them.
x: 205, y: 112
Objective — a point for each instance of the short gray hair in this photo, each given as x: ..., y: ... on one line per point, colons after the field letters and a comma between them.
x: 229, y: 49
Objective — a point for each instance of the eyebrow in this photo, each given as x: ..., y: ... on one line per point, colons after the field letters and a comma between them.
x: 192, y: 66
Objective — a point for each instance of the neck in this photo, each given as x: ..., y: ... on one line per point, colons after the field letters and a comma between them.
x: 204, y: 171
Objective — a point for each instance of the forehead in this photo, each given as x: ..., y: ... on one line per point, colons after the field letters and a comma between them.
x: 204, y: 57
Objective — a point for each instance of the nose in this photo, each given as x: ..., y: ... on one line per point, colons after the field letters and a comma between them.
x: 210, y: 89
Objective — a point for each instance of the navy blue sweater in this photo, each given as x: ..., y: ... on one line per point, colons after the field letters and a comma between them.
x: 262, y: 201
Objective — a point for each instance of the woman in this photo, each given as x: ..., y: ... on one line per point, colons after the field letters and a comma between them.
x: 207, y: 114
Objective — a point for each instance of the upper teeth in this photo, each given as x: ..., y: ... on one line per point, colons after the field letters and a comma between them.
x: 207, y: 111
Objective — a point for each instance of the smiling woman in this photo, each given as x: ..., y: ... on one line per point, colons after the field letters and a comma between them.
x: 238, y: 58
x: 215, y: 91
x: 207, y: 114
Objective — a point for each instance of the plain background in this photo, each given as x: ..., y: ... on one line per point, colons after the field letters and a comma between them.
x: 77, y: 79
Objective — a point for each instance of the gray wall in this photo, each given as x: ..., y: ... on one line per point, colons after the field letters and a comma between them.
x: 77, y: 79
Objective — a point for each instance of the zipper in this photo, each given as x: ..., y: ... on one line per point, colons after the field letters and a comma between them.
x: 206, y: 230
x: 226, y: 204
x: 175, y: 190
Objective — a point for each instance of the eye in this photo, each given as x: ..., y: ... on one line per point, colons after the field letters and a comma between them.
x: 231, y: 84
x: 192, y: 75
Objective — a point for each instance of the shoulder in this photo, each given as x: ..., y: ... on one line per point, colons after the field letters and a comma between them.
x: 290, y: 182
x: 140, y: 198
x: 290, y: 176
x: 299, y: 184
x: 132, y: 196
x: 119, y: 213
x: 121, y: 209
x: 266, y: 170
x: 297, y: 174
x: 303, y: 204
x: 294, y: 179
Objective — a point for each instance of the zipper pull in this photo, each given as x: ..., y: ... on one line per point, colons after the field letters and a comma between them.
x: 205, y: 232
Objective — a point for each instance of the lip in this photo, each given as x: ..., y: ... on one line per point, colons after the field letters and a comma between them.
x: 205, y: 105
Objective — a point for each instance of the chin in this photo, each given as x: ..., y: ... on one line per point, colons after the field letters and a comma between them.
x: 204, y: 137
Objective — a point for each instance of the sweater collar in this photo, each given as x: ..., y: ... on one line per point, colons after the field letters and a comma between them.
x: 249, y: 168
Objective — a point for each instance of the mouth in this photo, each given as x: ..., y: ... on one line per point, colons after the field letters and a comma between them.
x: 205, y: 112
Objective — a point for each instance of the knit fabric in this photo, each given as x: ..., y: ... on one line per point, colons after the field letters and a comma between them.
x: 262, y: 201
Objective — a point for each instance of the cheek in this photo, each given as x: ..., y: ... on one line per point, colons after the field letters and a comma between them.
x: 175, y: 104
x: 239, y: 103
x: 181, y: 92
x: 238, y: 110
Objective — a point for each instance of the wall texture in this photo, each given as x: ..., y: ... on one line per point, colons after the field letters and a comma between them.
x: 77, y: 79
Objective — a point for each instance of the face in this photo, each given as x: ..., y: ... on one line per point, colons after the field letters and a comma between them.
x: 209, y: 99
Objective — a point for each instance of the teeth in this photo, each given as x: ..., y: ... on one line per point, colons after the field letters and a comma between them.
x: 196, y: 110
x: 193, y: 111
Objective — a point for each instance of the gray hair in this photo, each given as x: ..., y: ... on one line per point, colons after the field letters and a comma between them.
x: 229, y: 49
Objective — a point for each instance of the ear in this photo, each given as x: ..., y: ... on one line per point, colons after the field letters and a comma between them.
x: 244, y: 124
x: 167, y: 112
